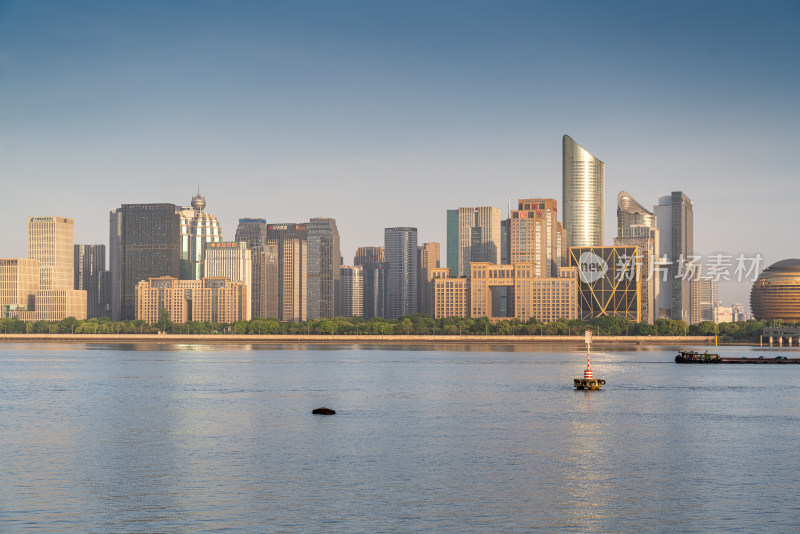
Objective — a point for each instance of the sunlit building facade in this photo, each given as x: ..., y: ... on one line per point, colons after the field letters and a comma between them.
x: 636, y: 227
x: 537, y: 237
x: 351, y: 291
x: 218, y: 300
x: 324, y: 260
x: 473, y: 234
x: 776, y: 292
x: 543, y: 298
x: 197, y: 229
x: 400, y: 245
x: 231, y: 260
x: 428, y: 254
x: 291, y: 243
x: 584, y: 195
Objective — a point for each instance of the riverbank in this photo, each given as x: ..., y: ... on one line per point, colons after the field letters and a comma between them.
x: 371, y: 339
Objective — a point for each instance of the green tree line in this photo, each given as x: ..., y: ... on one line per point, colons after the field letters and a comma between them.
x: 415, y: 324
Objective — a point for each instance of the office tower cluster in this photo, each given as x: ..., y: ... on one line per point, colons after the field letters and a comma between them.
x: 544, y: 263
x: 526, y: 265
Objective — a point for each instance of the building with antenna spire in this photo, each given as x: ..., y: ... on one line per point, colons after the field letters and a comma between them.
x: 197, y: 229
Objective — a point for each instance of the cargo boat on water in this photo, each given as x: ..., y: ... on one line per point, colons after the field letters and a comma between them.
x: 690, y: 356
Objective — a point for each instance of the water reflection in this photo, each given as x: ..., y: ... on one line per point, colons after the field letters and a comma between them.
x: 172, y: 437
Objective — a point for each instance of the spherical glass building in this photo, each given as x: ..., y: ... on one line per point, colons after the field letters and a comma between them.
x: 776, y: 292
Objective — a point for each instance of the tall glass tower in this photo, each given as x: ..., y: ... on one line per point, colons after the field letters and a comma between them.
x: 636, y: 227
x: 584, y: 195
x: 400, y: 245
x: 324, y: 262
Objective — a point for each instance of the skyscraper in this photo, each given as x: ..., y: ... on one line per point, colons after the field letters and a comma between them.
x: 584, y: 195
x: 51, y: 249
x: 428, y: 254
x: 537, y: 237
x: 324, y: 260
x: 704, y: 299
x: 264, y: 293
x: 365, y: 255
x: 197, y: 229
x: 90, y: 263
x: 351, y: 291
x: 400, y: 245
x: 636, y: 227
x: 50, y: 242
x: 675, y: 221
x: 144, y: 243
x: 473, y: 235
x: 291, y: 241
x: 232, y: 260
x: 374, y: 272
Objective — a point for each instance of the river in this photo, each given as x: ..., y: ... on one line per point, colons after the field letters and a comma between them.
x: 205, y: 438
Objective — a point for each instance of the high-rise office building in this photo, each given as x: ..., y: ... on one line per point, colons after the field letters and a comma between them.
x: 537, y: 237
x: 428, y: 254
x: 144, y: 243
x: 90, y: 264
x: 366, y: 255
x: 291, y: 241
x: 324, y: 260
x: 608, y: 281
x: 375, y: 279
x: 264, y: 293
x: 636, y: 227
x: 372, y: 260
x: 19, y: 283
x: 40, y: 288
x: 351, y: 291
x: 704, y: 299
x: 675, y: 221
x: 400, y: 245
x: 473, y: 234
x: 252, y: 231
x: 51, y: 242
x: 584, y: 195
x: 232, y: 260
x: 197, y: 229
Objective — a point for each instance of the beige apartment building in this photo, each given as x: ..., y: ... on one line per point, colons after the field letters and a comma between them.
x: 546, y: 299
x: 217, y: 299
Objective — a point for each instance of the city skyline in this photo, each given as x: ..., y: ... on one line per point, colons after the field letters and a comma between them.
x: 110, y: 104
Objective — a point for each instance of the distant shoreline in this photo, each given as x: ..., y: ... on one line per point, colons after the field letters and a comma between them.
x: 361, y: 339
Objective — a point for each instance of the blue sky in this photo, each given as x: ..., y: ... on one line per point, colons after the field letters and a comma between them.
x: 388, y: 113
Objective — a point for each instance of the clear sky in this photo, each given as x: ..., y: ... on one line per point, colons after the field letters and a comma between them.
x: 388, y: 113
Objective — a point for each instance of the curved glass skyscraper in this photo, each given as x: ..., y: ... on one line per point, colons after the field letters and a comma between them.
x: 584, y: 197
x: 630, y: 215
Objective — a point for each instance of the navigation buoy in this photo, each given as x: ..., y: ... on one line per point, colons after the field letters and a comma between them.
x: 588, y: 381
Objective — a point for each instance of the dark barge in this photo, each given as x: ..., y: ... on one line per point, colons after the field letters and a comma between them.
x: 690, y: 356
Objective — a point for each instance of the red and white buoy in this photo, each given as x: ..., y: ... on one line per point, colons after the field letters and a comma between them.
x: 588, y: 381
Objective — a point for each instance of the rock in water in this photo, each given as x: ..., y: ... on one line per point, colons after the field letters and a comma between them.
x: 323, y: 411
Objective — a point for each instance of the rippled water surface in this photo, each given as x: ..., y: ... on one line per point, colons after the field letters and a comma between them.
x: 192, y: 438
